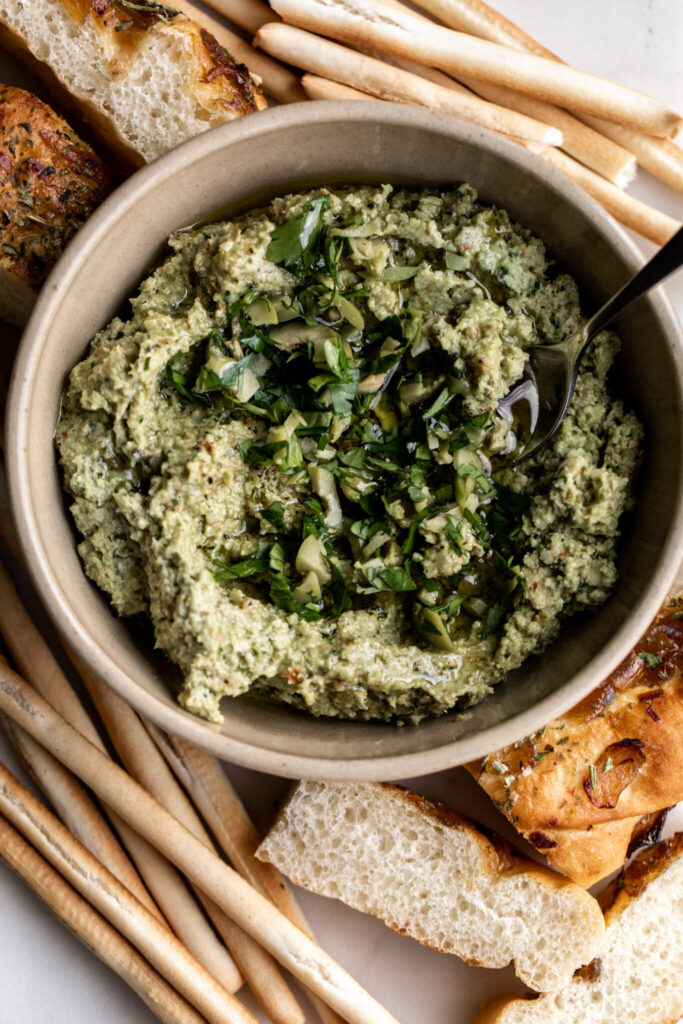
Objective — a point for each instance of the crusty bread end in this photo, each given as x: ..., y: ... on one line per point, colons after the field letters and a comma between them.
x: 50, y: 182
x: 144, y: 76
x: 433, y: 875
x: 637, y: 976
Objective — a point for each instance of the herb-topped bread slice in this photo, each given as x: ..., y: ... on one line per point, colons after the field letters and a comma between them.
x: 436, y: 876
x: 50, y: 183
x: 596, y: 782
x: 145, y: 76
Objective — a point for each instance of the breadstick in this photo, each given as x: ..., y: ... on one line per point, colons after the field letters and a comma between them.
x: 78, y: 812
x: 93, y: 930
x: 614, y: 162
x: 35, y: 660
x: 317, y: 88
x: 142, y: 758
x: 218, y: 803
x: 252, y: 911
x: 248, y: 14
x: 383, y: 27
x: 216, y: 800
x: 154, y: 940
x: 205, y: 781
x: 278, y: 81
x: 478, y: 19
x: 658, y: 156
x: 370, y: 75
x: 65, y: 793
x: 650, y: 223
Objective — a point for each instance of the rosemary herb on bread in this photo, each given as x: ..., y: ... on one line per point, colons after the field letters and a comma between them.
x: 50, y: 182
x: 145, y: 76
x: 436, y: 876
x: 595, y: 783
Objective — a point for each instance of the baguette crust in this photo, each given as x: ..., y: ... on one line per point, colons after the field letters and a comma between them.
x: 597, y: 781
x: 218, y: 82
x: 50, y: 182
x: 436, y: 876
x: 143, y: 75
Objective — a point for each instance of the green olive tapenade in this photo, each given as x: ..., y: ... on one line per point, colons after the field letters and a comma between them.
x: 287, y: 457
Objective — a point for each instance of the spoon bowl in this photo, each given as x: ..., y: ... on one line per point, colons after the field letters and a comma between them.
x: 550, y: 373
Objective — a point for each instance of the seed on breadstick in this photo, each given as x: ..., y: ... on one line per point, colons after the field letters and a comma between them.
x: 36, y: 661
x: 368, y: 74
x: 383, y: 27
x: 93, y: 930
x: 252, y: 911
x: 141, y: 756
x: 104, y: 892
x: 278, y: 81
x: 628, y: 210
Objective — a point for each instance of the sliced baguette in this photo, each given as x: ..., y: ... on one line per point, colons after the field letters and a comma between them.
x: 50, y: 182
x: 433, y: 875
x: 638, y: 974
x: 145, y: 77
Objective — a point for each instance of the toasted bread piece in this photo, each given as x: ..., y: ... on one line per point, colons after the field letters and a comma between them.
x: 638, y: 973
x: 143, y: 75
x: 436, y: 876
x: 50, y: 182
x: 595, y: 782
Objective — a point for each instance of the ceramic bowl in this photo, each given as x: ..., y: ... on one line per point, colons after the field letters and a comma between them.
x: 231, y: 169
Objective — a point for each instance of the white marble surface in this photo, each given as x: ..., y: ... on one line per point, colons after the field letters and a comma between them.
x: 46, y: 977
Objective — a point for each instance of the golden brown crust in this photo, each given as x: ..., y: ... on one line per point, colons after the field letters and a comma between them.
x: 582, y: 789
x: 50, y: 182
x: 221, y: 87
x: 219, y: 83
x: 638, y: 874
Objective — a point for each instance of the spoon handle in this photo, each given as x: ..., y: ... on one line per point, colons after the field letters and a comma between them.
x: 665, y: 262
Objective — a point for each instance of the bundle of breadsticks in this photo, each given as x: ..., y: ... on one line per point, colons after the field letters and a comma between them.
x: 462, y: 57
x: 114, y: 856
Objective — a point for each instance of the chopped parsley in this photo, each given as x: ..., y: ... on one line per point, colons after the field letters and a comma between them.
x: 368, y: 418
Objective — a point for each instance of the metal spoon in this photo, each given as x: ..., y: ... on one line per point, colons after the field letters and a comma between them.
x: 551, y: 370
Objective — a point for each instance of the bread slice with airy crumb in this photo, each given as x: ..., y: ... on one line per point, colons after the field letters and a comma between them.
x: 639, y: 974
x: 436, y: 876
x: 50, y: 182
x: 143, y: 75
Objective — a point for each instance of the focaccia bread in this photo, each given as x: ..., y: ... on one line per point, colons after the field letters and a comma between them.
x: 143, y: 75
x: 596, y: 783
x: 436, y: 876
x: 50, y: 182
x: 638, y: 973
